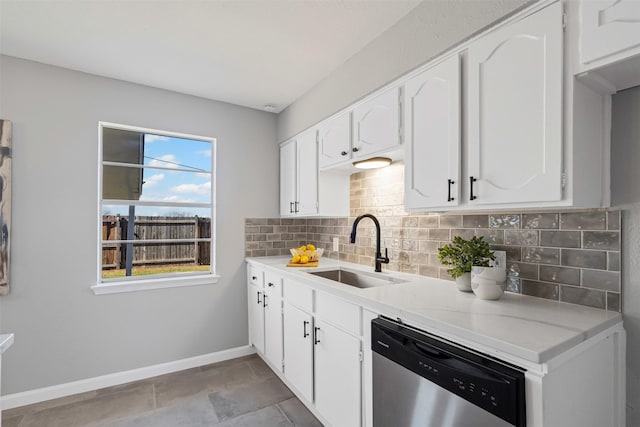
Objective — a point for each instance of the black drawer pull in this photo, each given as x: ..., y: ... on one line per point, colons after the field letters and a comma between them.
x: 449, y: 198
x: 304, y: 329
x: 315, y: 335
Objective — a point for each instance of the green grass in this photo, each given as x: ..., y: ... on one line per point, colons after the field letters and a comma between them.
x: 159, y: 269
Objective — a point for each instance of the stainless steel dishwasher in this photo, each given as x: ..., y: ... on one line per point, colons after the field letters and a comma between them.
x: 422, y: 380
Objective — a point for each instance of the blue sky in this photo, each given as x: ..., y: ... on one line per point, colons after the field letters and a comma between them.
x: 174, y: 186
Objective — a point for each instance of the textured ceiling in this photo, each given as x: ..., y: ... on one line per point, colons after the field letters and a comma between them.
x: 246, y: 52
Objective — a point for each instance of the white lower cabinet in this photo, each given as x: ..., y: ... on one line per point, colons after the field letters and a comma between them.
x: 255, y: 299
x: 337, y: 375
x: 322, y: 359
x: 298, y: 349
x: 273, y: 319
x: 264, y: 300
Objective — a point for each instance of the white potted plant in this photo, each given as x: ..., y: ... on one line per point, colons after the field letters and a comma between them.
x: 461, y: 255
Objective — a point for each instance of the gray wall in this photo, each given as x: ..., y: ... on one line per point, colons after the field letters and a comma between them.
x: 428, y: 30
x: 63, y: 331
x: 625, y: 178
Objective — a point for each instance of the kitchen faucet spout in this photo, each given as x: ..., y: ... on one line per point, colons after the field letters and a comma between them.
x: 379, y: 258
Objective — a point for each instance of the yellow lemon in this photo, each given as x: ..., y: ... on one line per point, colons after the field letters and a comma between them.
x: 303, y: 248
x: 304, y: 259
x: 310, y: 247
x: 295, y: 259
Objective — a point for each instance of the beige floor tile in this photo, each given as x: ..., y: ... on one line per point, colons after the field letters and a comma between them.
x: 13, y: 421
x: 265, y: 417
x: 195, y: 412
x: 172, y: 389
x: 298, y: 414
x: 233, y: 403
x: 94, y: 411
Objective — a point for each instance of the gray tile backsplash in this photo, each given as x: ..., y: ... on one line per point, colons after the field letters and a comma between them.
x: 564, y: 256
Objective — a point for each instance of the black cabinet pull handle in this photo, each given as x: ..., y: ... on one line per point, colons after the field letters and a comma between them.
x: 344, y: 153
x: 355, y: 149
x: 315, y: 335
x: 271, y: 285
x: 290, y: 207
x: 259, y: 302
x: 304, y: 329
x: 264, y: 300
x: 471, y: 181
x: 449, y: 198
x: 296, y: 208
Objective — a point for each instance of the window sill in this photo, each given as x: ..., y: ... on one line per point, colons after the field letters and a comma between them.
x: 150, y: 284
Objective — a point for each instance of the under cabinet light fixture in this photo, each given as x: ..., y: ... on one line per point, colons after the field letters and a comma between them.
x: 372, y: 163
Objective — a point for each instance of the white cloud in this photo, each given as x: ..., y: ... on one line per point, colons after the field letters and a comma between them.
x: 204, y: 188
x: 171, y: 199
x: 167, y: 161
x: 153, y: 180
x: 204, y: 153
x: 154, y: 138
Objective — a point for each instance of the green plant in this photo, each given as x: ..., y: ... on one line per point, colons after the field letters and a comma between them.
x: 462, y: 254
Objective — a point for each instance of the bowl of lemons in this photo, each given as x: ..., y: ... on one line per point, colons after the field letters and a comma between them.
x: 305, y: 255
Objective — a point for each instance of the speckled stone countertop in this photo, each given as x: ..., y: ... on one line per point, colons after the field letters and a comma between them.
x: 530, y: 328
x: 5, y: 342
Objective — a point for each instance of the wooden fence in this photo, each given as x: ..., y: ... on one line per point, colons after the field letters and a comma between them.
x: 187, y: 250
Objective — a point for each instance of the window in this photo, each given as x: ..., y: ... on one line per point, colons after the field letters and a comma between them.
x: 156, y: 209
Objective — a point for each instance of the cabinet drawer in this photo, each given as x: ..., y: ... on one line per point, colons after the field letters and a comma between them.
x: 254, y: 275
x: 298, y: 295
x: 272, y: 284
x: 338, y: 312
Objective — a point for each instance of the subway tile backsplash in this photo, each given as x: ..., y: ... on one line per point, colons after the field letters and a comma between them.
x: 565, y: 256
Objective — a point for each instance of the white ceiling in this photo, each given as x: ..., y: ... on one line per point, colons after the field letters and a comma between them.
x: 246, y: 52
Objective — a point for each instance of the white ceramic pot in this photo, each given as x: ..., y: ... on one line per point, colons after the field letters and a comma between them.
x: 488, y: 282
x: 464, y: 282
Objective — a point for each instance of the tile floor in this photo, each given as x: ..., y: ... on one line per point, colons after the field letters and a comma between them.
x: 239, y: 392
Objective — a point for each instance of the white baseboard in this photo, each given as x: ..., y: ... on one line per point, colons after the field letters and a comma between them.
x: 53, y: 392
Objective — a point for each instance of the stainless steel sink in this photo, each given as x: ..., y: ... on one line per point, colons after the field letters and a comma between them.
x: 358, y: 279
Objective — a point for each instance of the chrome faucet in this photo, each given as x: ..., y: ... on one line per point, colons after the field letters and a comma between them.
x: 379, y: 258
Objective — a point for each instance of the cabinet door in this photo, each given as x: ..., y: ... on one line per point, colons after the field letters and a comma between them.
x: 298, y: 350
x: 255, y: 300
x: 337, y: 375
x: 288, y: 176
x: 376, y: 124
x: 334, y: 141
x: 307, y: 201
x: 273, y: 322
x: 608, y: 27
x: 432, y: 135
x: 515, y: 111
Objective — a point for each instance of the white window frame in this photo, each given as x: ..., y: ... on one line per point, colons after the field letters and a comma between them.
x: 136, y: 283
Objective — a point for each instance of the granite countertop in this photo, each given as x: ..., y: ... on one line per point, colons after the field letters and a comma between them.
x: 5, y: 342
x: 530, y: 328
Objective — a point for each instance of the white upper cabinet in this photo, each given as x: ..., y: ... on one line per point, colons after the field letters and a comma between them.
x: 299, y: 175
x: 515, y: 112
x: 608, y: 27
x: 288, y: 178
x: 334, y: 141
x: 376, y: 124
x: 307, y: 174
x: 432, y: 135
